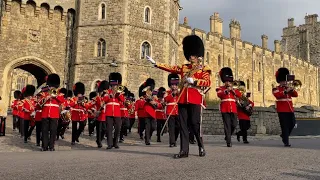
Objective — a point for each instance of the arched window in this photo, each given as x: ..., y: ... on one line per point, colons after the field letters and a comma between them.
x: 259, y: 86
x: 208, y: 57
x: 101, y: 48
x: 147, y: 15
x: 219, y: 60
x: 145, y: 50
x: 102, y: 11
x: 248, y: 84
x: 21, y: 83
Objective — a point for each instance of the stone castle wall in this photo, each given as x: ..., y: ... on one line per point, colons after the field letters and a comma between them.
x: 255, y: 65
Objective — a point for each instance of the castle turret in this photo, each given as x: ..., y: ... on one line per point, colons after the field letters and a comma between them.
x: 291, y: 22
x: 216, y: 24
x: 264, y: 41
x: 311, y: 19
x: 277, y: 46
x: 235, y: 29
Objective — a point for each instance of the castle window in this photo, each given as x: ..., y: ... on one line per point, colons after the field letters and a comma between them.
x: 145, y: 50
x: 208, y: 57
x: 229, y: 62
x: 147, y: 15
x: 173, y: 26
x: 248, y: 84
x: 259, y: 86
x: 101, y: 48
x: 21, y: 83
x: 217, y: 81
x: 44, y: 10
x: 102, y: 11
x: 260, y: 67
x: 30, y: 8
x: 219, y: 61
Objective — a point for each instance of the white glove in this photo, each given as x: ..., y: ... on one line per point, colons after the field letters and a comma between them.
x: 190, y: 80
x: 63, y: 112
x: 33, y: 114
x: 151, y: 60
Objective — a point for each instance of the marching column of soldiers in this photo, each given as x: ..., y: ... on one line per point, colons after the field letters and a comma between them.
x: 111, y: 110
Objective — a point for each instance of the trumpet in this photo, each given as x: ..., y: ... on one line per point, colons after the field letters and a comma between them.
x: 236, y: 84
x: 295, y: 84
x: 53, y: 92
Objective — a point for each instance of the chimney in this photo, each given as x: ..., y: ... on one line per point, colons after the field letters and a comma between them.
x: 235, y: 29
x: 264, y: 41
x: 277, y: 46
x: 291, y: 22
x: 216, y: 24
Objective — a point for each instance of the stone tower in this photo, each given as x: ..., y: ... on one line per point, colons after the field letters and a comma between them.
x: 117, y: 35
x: 303, y: 41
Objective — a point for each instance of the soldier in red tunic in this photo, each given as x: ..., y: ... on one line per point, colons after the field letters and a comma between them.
x: 78, y: 109
x: 63, y: 91
x: 228, y: 106
x: 243, y: 116
x: 171, y: 101
x: 139, y: 104
x: 21, y: 113
x: 160, y: 112
x: 91, y: 114
x: 131, y: 110
x: 28, y: 107
x: 50, y: 103
x: 113, y: 99
x: 15, y: 120
x: 124, y: 116
x: 284, y: 105
x: 194, y: 77
x: 38, y: 118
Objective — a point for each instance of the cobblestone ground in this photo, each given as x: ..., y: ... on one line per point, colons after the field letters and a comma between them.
x: 263, y: 158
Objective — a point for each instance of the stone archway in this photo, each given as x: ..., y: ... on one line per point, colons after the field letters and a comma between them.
x: 35, y: 66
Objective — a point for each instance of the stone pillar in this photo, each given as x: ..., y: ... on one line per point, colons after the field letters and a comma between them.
x: 216, y: 24
x: 264, y: 41
x: 277, y: 46
x: 291, y: 22
x: 235, y: 29
x: 311, y: 19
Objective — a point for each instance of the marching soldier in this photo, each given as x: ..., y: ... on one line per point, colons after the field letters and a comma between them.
x: 113, y: 114
x: 65, y: 109
x: 124, y: 116
x: 160, y: 114
x: 139, y: 104
x: 78, y: 108
x: 14, y: 108
x: 131, y: 111
x: 50, y: 102
x: 228, y: 106
x: 21, y: 113
x: 243, y: 115
x: 63, y: 91
x: 38, y: 118
x: 28, y: 108
x: 146, y: 90
x: 194, y: 77
x: 91, y: 115
x: 171, y: 101
x: 284, y: 105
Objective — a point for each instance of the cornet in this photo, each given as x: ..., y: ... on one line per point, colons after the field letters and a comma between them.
x: 236, y: 84
x: 53, y: 92
x: 295, y: 84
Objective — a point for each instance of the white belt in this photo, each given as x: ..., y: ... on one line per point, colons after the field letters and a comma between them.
x: 224, y: 100
x: 51, y: 105
x: 79, y: 110
x: 123, y: 109
x: 284, y: 99
x: 159, y: 110
x: 39, y: 111
x: 113, y: 103
x: 171, y: 104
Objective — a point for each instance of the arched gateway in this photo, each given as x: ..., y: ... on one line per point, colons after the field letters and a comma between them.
x: 35, y: 66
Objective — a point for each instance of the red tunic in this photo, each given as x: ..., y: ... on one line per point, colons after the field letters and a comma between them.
x: 171, y: 103
x: 100, y: 106
x: 131, y: 110
x: 141, y: 113
x: 242, y: 115
x: 78, y: 110
x: 124, y: 110
x: 191, y: 94
x: 28, y: 108
x: 228, y: 100
x: 160, y: 112
x: 151, y: 110
x: 284, y: 101
x: 20, y: 113
x: 14, y: 107
x: 91, y: 107
x: 113, y: 104
x: 51, y: 108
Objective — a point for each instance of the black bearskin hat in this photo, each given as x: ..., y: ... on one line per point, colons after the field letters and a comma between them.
x: 78, y: 88
x: 226, y: 74
x: 70, y: 93
x: 242, y: 83
x: 17, y: 94
x: 29, y: 91
x: 173, y: 79
x: 161, y: 92
x: 126, y: 91
x: 193, y: 46
x: 281, y: 74
x: 115, y: 78
x: 150, y: 82
x: 103, y: 85
x: 53, y: 80
x: 63, y: 91
x: 92, y: 95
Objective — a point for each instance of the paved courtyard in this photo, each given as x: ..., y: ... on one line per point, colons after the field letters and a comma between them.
x: 263, y: 158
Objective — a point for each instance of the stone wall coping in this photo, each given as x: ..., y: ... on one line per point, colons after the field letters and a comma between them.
x: 303, y: 109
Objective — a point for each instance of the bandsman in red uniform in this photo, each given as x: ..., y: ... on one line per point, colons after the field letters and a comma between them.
x: 21, y: 113
x: 124, y: 116
x: 228, y: 105
x: 63, y: 91
x: 284, y: 105
x: 243, y: 115
x: 15, y: 120
x: 113, y: 100
x: 194, y: 77
x: 38, y: 119
x: 50, y: 103
x: 139, y: 104
x: 160, y: 112
x: 91, y: 113
x: 78, y: 109
x: 131, y: 110
x: 65, y: 107
x: 171, y: 101
x: 28, y: 108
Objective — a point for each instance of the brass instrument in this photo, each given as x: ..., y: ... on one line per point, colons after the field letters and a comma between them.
x: 53, y: 92
x: 66, y: 117
x: 236, y: 84
x: 295, y: 84
x: 120, y: 89
x: 243, y: 102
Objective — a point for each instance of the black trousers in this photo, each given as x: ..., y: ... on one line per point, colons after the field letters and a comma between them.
x: 142, y: 126
x: 49, y: 125
x: 2, y: 126
x: 26, y: 125
x: 91, y: 125
x: 101, y: 130
x: 115, y: 122
x: 61, y: 128
x: 15, y: 122
x: 189, y: 114
x: 76, y: 131
x: 150, y: 125
x: 38, y: 131
x: 287, y: 123
x: 124, y: 127
x: 244, y: 127
x: 160, y: 125
x: 18, y: 124
x: 230, y: 124
x: 31, y: 128
x: 131, y: 120
x: 174, y: 129
x: 21, y: 127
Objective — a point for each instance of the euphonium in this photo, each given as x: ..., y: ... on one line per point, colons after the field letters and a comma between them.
x: 53, y: 92
x: 236, y: 84
x: 120, y: 89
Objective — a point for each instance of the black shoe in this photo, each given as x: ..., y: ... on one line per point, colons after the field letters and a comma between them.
x: 44, y: 149
x: 281, y: 135
x: 202, y: 152
x: 109, y: 147
x: 229, y: 144
x: 192, y: 141
x: 116, y: 146
x: 141, y: 137
x: 77, y: 140
x: 73, y: 143
x: 180, y: 155
x: 158, y: 140
x: 57, y: 138
x: 246, y: 142
x: 52, y: 149
x: 148, y: 144
x: 238, y: 137
x: 121, y: 140
x: 29, y: 138
x: 62, y: 136
x: 38, y: 144
x: 173, y: 145
x: 287, y: 145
